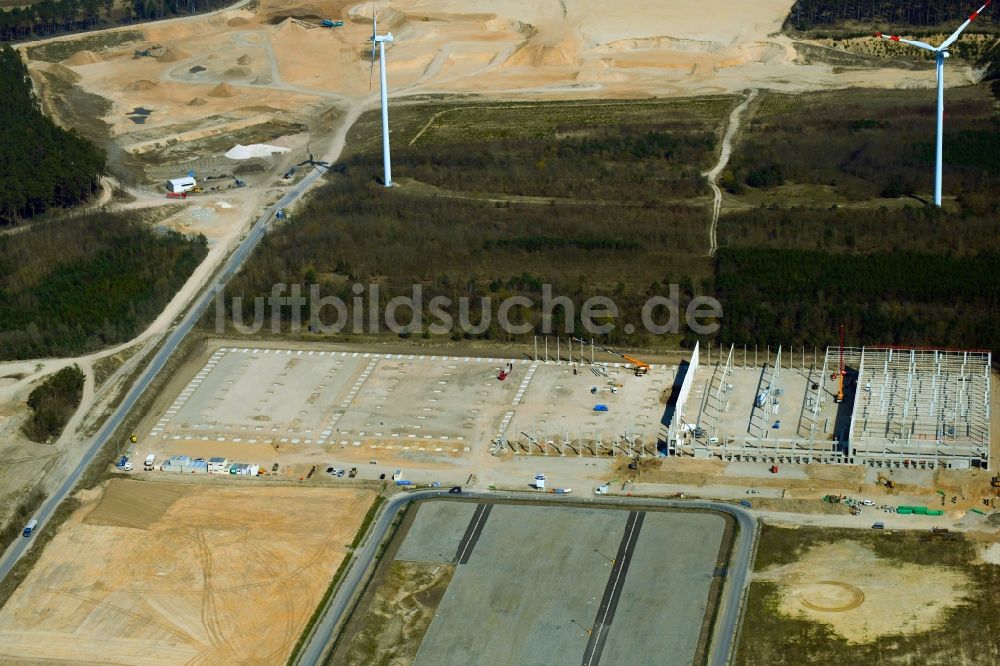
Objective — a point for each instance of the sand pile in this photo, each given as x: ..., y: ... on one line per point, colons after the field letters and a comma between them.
x: 241, y: 152
x: 244, y: 60
x: 83, y: 57
x: 141, y: 85
x: 173, y: 54
x: 197, y: 101
x: 289, y: 25
x: 222, y: 90
x: 237, y: 21
x: 236, y: 73
x: 566, y: 52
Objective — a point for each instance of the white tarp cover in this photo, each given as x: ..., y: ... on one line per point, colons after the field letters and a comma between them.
x: 241, y: 152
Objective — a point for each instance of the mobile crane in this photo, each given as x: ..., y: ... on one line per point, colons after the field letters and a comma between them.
x: 841, y: 371
x: 638, y: 367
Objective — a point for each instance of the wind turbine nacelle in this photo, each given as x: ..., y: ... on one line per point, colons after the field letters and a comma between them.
x: 945, y: 54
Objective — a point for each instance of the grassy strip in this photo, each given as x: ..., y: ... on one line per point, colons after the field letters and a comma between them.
x: 369, y: 519
x: 331, y: 588
x: 379, y: 554
x: 19, y: 517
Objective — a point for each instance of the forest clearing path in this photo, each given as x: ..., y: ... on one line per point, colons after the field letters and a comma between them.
x: 713, y: 173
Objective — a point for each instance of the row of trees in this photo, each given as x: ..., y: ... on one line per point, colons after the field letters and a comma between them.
x: 879, y: 149
x: 806, y: 14
x: 76, y: 285
x: 914, y: 228
x: 53, y: 404
x: 355, y: 232
x: 41, y: 164
x: 802, y: 297
x: 628, y: 163
x: 51, y: 16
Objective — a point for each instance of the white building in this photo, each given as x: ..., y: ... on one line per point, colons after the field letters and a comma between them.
x: 185, y: 184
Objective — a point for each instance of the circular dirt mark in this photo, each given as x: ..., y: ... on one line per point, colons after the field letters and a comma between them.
x: 830, y: 596
x: 7, y: 381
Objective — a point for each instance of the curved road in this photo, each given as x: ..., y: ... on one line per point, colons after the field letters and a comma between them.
x: 730, y: 605
x: 194, y: 313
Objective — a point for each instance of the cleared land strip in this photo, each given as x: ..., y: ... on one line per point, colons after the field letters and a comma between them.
x: 612, y: 593
x: 472, y: 533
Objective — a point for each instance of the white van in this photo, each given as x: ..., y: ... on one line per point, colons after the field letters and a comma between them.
x: 150, y: 459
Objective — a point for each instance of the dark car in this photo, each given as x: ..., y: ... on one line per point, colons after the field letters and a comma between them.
x: 456, y: 490
x: 329, y: 470
x: 382, y: 476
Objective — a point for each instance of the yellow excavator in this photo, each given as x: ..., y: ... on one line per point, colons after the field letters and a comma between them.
x: 883, y: 480
x: 638, y: 367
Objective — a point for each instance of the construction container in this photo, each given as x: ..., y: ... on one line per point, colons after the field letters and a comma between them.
x: 904, y: 510
x: 935, y: 512
x: 920, y: 510
x: 216, y: 465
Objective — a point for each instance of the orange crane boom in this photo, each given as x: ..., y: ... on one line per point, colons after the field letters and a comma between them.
x: 639, y: 367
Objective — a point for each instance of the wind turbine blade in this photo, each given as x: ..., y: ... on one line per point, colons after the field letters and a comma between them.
x: 972, y: 17
x: 911, y: 42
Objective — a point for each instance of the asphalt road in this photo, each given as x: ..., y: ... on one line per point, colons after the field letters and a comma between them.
x: 727, y: 620
x: 194, y: 313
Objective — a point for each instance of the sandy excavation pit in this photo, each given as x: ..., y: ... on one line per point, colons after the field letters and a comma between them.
x: 241, y: 62
x: 179, y: 574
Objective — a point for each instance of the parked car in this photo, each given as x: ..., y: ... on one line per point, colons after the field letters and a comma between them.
x: 456, y: 490
x: 330, y: 470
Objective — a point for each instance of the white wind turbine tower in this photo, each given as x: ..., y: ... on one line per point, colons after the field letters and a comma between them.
x: 940, y: 53
x: 380, y: 40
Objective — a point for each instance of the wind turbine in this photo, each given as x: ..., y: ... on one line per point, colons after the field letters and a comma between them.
x: 940, y: 53
x: 380, y: 40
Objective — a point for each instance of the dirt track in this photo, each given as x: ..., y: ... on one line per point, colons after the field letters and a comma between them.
x: 182, y: 574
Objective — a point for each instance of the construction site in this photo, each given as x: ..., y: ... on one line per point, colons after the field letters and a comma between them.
x: 878, y: 407
x: 419, y: 407
x: 882, y: 407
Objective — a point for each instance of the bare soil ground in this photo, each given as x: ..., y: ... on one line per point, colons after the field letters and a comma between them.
x: 22, y: 462
x: 836, y: 596
x: 399, y: 613
x: 862, y: 596
x: 211, y: 575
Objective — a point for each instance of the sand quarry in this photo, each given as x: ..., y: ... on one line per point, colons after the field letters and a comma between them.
x: 181, y: 574
x: 224, y: 72
x: 863, y: 597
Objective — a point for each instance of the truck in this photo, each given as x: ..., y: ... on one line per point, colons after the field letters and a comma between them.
x: 761, y: 399
x: 150, y: 459
x: 29, y: 528
x: 601, y: 490
x: 403, y: 482
x: 562, y: 491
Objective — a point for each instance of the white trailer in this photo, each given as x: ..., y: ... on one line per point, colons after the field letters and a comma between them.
x: 178, y: 185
